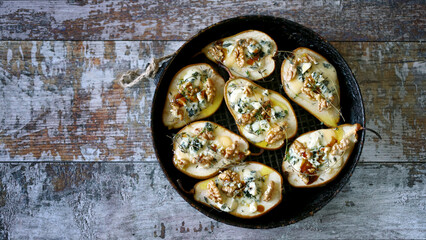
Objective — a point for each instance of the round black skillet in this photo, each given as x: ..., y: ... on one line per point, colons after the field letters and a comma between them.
x: 297, y: 204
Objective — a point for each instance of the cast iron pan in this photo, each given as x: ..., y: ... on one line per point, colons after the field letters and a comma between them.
x: 297, y: 204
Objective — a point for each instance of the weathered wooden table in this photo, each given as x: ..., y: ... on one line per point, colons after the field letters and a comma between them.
x: 75, y: 149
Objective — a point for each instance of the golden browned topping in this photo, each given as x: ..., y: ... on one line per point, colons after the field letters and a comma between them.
x: 340, y: 148
x: 204, y: 160
x: 276, y: 133
x: 267, y: 195
x: 231, y: 182
x: 310, y: 58
x: 213, y: 192
x: 231, y: 150
x: 217, y: 51
x: 210, y: 90
x: 314, y: 93
x: 247, y: 118
x: 301, y: 149
x: 176, y: 110
x: 247, y: 90
x: 204, y: 134
x: 239, y: 55
x: 324, y: 103
x: 290, y: 73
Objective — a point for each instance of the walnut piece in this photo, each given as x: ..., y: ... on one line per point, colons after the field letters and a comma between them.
x: 276, y: 134
x: 239, y: 56
x: 217, y: 52
x: 231, y: 182
x: 267, y: 195
x: 213, y: 192
x: 308, y: 89
x: 290, y: 73
x: 301, y: 149
x: 204, y: 134
x: 231, y: 150
x: 340, y: 148
x: 204, y: 160
x: 247, y: 90
x: 247, y: 118
x: 176, y: 110
x: 210, y: 90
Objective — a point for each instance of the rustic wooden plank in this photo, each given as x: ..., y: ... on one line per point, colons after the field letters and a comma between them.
x: 60, y: 101
x: 134, y: 201
x: 178, y: 20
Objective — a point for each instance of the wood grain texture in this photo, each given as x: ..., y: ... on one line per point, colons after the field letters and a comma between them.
x: 179, y: 20
x: 135, y: 201
x: 60, y: 101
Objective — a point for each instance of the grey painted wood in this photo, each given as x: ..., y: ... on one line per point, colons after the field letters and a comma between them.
x: 72, y: 109
x: 179, y: 20
x: 76, y: 160
x: 135, y: 201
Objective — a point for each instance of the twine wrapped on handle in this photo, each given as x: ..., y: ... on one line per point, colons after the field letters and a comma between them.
x: 132, y: 77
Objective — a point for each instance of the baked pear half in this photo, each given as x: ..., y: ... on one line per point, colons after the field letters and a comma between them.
x: 195, y: 92
x: 248, y: 54
x: 264, y: 117
x: 311, y: 81
x: 248, y: 190
x: 203, y: 148
x: 316, y: 158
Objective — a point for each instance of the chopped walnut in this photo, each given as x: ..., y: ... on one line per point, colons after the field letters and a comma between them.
x: 213, y: 192
x: 311, y: 59
x: 176, y: 110
x: 306, y: 58
x: 204, y: 134
x: 247, y: 118
x: 290, y: 73
x: 247, y: 90
x: 231, y: 150
x: 308, y: 86
x: 239, y: 56
x: 181, y: 162
x: 339, y: 148
x: 210, y: 90
x: 267, y: 195
x: 217, y: 52
x: 275, y: 134
x: 231, y: 182
x: 324, y: 103
x: 301, y: 149
x: 204, y: 160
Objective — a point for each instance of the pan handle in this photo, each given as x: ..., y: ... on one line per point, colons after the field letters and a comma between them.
x: 160, y: 70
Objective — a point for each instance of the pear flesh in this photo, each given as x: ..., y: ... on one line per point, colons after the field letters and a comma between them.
x: 203, y: 148
x: 264, y: 117
x: 248, y: 54
x: 195, y: 92
x: 311, y: 81
x: 316, y: 158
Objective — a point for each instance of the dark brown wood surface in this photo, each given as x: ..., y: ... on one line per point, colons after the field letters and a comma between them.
x: 76, y: 159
